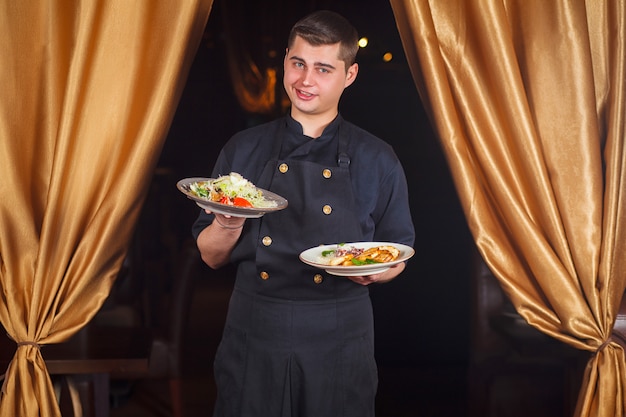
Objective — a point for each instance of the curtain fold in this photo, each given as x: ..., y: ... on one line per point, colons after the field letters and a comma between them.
x: 527, y: 98
x: 253, y: 80
x: 89, y: 89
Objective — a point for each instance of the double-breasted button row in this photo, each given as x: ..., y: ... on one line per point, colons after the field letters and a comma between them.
x: 326, y: 173
x: 327, y: 209
x: 317, y: 278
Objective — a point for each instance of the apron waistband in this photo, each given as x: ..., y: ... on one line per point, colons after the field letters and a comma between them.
x: 269, y: 299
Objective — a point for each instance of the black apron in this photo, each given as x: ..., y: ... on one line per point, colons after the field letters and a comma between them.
x: 298, y: 342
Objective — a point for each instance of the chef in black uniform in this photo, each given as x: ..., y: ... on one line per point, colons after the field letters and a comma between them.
x: 299, y: 342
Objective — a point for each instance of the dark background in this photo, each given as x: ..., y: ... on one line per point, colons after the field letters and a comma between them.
x: 424, y: 314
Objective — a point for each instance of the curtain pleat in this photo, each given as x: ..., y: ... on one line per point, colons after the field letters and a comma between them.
x: 252, y: 71
x: 89, y: 89
x: 527, y: 98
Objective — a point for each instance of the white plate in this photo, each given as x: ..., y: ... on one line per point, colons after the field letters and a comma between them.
x: 313, y: 257
x: 215, y: 207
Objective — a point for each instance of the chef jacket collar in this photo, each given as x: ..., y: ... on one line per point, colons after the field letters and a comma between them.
x: 329, y: 132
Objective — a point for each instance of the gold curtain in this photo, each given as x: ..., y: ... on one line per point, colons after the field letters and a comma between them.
x: 527, y: 98
x: 89, y: 89
x: 254, y: 57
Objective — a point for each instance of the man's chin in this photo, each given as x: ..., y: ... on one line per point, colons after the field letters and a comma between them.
x: 299, y: 108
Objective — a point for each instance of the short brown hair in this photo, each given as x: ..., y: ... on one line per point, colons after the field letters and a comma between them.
x: 328, y: 28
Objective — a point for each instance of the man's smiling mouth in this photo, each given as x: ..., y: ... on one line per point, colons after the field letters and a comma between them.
x: 304, y: 94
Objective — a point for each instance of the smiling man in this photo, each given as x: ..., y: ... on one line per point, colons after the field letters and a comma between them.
x: 314, y: 79
x: 299, y: 342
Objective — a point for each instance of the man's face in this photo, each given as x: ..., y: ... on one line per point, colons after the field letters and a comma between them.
x: 315, y: 78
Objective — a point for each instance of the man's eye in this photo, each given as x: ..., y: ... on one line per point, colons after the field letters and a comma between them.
x: 299, y: 65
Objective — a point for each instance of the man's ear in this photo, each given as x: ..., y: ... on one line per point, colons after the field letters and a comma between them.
x: 351, y: 74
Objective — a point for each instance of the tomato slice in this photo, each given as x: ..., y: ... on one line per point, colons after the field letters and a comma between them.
x: 225, y: 200
x: 241, y: 202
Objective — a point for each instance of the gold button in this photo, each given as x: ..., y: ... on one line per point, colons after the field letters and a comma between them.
x: 327, y: 209
x: 264, y: 275
x: 318, y: 279
x: 283, y: 168
x: 267, y: 241
x: 327, y: 173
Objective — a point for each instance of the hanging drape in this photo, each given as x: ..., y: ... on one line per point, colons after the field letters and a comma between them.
x: 89, y: 89
x: 527, y: 98
x: 254, y: 82
x: 255, y: 59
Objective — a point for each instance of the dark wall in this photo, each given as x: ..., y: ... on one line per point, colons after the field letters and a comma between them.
x: 425, y: 312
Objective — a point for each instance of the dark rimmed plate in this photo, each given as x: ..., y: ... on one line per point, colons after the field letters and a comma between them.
x: 216, y: 207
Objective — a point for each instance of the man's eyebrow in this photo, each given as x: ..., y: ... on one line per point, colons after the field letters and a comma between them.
x: 323, y: 65
x: 316, y: 64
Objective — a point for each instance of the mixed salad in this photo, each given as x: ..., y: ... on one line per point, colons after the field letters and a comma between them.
x: 233, y: 190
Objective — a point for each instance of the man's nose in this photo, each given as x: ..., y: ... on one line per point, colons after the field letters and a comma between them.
x: 307, y: 78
